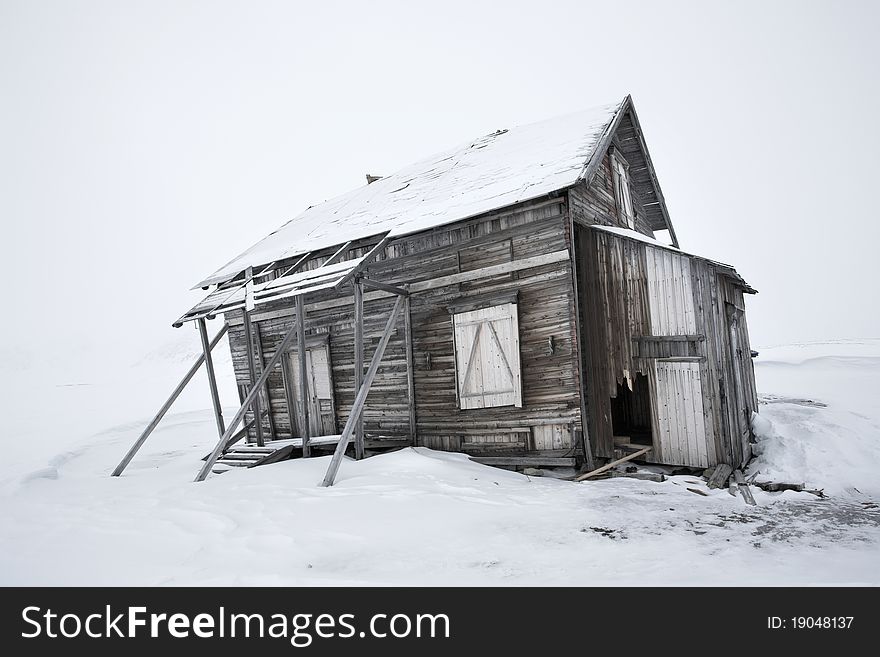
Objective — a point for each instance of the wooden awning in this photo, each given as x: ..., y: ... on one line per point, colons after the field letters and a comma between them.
x: 233, y: 296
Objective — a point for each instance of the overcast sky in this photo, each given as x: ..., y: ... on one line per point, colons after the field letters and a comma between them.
x: 144, y: 144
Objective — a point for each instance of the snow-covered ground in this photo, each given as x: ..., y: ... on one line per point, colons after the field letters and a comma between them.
x: 419, y: 517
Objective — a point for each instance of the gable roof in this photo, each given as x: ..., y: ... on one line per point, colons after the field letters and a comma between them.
x: 482, y: 175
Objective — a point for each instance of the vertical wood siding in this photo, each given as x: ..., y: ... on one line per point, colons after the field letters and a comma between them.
x: 630, y: 290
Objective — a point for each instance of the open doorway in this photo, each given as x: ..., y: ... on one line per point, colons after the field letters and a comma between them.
x: 631, y: 413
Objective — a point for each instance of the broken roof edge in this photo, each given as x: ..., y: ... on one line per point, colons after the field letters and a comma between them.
x: 723, y: 268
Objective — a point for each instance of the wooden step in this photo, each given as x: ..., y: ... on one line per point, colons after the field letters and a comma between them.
x: 251, y: 450
x: 245, y: 457
x: 237, y: 457
x: 237, y: 464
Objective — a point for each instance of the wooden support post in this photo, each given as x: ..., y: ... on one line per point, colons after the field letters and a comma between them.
x: 258, y: 347
x: 254, y: 391
x: 255, y: 406
x: 212, y: 379
x: 361, y: 397
x: 410, y: 371
x: 249, y: 343
x: 358, y: 363
x: 168, y: 402
x: 303, y: 373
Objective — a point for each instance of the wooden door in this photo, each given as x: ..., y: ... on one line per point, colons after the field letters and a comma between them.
x: 320, y: 399
x: 678, y: 405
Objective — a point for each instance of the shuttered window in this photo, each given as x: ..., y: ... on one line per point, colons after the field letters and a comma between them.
x: 620, y: 175
x: 487, y: 357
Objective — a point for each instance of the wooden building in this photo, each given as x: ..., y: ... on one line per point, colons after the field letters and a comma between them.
x: 514, y: 300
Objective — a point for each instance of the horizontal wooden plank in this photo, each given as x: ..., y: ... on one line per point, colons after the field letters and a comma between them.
x: 525, y: 460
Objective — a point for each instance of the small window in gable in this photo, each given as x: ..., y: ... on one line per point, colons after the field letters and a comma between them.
x: 487, y: 357
x: 622, y: 196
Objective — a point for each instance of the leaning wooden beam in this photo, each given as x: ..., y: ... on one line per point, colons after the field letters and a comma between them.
x: 238, y: 435
x: 252, y: 374
x: 744, y: 488
x: 261, y: 361
x: 361, y: 398
x: 608, y: 466
x: 303, y: 373
x: 253, y: 392
x: 358, y: 363
x: 296, y: 265
x: 212, y: 379
x: 410, y: 371
x: 367, y: 259
x: 336, y: 256
x: 385, y: 287
x: 162, y: 411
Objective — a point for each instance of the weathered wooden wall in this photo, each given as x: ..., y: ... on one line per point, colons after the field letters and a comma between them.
x: 549, y: 419
x: 624, y: 336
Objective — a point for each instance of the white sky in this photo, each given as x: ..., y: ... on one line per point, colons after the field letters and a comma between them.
x: 143, y: 144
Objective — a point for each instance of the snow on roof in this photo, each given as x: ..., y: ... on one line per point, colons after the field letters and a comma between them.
x: 641, y: 237
x: 485, y: 174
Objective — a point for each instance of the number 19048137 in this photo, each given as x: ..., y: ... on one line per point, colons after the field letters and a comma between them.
x: 810, y: 623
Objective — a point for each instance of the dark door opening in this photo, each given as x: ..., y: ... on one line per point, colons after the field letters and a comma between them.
x: 631, y: 413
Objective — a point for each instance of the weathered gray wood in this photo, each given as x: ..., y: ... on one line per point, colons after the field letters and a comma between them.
x: 212, y: 379
x: 361, y: 398
x: 589, y: 462
x: 731, y: 486
x: 645, y: 476
x: 720, y: 475
x: 744, y: 488
x: 366, y: 260
x: 209, y: 314
x: 493, y: 270
x: 296, y: 265
x: 378, y: 285
x: 608, y: 466
x: 338, y: 255
x: 168, y: 402
x: 258, y: 345
x: 699, y: 492
x: 358, y: 363
x: 422, y: 286
x: 549, y: 461
x: 410, y: 371
x: 772, y: 487
x: 254, y: 391
x: 238, y: 435
x: 255, y: 406
x: 303, y: 372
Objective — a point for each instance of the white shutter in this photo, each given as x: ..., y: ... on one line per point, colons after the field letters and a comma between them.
x: 670, y: 293
x: 487, y: 357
